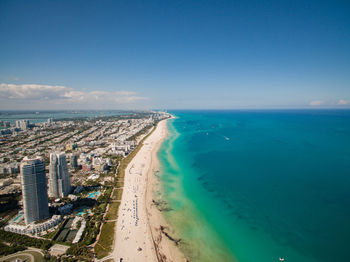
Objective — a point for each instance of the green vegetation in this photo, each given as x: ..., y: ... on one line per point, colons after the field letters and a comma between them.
x: 117, y: 194
x: 106, y: 196
x: 105, y: 243
x: 24, y: 240
x: 8, y: 207
x: 119, y: 184
x: 92, y: 229
x: 112, y: 211
x: 100, y: 209
x: 81, y: 252
x: 37, y: 256
x: 7, y: 250
x: 50, y: 235
x: 91, y: 183
x: 9, y: 202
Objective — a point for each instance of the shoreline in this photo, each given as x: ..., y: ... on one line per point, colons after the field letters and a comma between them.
x: 163, y: 235
x: 141, y: 233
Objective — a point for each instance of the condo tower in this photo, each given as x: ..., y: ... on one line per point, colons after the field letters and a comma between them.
x: 34, y: 190
x: 59, y: 182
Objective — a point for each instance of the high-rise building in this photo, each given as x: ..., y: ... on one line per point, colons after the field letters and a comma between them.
x: 59, y: 182
x: 22, y: 124
x: 74, y: 161
x: 49, y: 121
x: 34, y: 190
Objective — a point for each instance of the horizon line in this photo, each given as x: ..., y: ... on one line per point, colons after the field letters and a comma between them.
x: 174, y: 109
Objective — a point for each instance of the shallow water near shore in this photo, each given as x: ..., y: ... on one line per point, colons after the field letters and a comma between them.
x: 257, y: 186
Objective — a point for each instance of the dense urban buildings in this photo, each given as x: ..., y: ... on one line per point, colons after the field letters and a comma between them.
x: 34, y: 190
x: 74, y: 161
x: 59, y: 182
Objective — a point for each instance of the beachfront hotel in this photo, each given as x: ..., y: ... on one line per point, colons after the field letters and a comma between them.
x: 33, y: 228
x: 34, y: 190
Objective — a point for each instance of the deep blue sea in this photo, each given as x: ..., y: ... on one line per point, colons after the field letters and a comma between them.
x: 259, y: 185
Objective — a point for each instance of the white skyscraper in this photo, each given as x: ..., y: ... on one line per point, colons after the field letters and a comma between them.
x: 22, y: 124
x: 59, y: 182
x: 34, y: 190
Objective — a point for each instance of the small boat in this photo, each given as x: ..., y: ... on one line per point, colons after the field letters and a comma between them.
x: 281, y: 259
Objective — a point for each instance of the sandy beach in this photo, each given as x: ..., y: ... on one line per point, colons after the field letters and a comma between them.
x: 141, y: 232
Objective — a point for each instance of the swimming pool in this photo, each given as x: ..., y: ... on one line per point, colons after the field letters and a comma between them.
x: 17, y: 217
x: 82, y: 211
x: 94, y: 194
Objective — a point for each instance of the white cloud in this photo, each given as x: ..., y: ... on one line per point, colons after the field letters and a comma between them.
x: 64, y: 96
x: 12, y: 91
x: 316, y: 103
x: 343, y: 102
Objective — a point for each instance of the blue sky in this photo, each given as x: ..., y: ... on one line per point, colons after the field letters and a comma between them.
x: 174, y: 54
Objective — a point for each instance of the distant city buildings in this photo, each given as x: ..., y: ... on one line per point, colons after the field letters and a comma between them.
x: 90, y: 146
x: 90, y: 162
x: 49, y: 121
x: 4, y: 124
x: 22, y: 124
x: 34, y: 190
x: 121, y: 147
x: 6, y: 182
x: 12, y: 168
x: 71, y: 146
x: 59, y: 182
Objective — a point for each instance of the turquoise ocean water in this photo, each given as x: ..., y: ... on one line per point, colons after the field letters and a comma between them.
x: 259, y: 185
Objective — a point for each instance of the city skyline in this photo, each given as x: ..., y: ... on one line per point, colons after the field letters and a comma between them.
x: 174, y: 55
